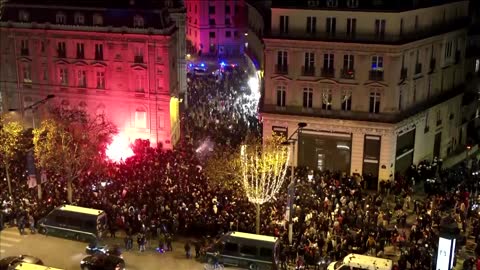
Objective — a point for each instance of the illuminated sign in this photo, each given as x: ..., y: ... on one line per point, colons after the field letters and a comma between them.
x: 445, y: 253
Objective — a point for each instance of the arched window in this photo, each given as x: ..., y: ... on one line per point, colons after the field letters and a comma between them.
x: 23, y: 16
x: 138, y: 21
x: 61, y: 18
x: 97, y: 19
x: 79, y: 19
x: 140, y: 118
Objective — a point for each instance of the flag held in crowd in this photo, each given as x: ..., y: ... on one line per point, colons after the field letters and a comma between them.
x: 31, y: 170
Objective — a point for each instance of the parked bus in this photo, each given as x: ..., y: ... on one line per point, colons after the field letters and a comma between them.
x: 31, y: 266
x: 257, y: 252
x: 364, y: 262
x: 79, y: 223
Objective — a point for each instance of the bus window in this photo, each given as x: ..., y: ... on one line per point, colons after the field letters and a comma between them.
x: 60, y: 220
x: 231, y: 247
x: 266, y: 252
x: 249, y: 250
x: 90, y: 225
x: 74, y: 222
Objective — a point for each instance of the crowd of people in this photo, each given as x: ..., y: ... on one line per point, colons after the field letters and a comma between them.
x: 158, y: 193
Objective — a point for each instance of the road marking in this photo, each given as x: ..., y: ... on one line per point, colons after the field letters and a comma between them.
x: 5, y: 244
x: 9, y: 239
x: 11, y: 232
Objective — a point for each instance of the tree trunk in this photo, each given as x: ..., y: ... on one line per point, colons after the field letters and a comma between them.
x: 9, y: 182
x: 257, y: 220
x: 69, y: 190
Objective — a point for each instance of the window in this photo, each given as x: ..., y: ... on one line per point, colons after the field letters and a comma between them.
x: 328, y: 61
x: 235, y: 34
x: 98, y: 51
x: 477, y: 65
x: 211, y: 10
x: 346, y: 100
x: 248, y: 250
x: 60, y: 18
x: 416, y: 23
x: 81, y: 78
x: 80, y: 50
x: 351, y: 26
x: 311, y: 25
x: 448, y: 49
x: 326, y: 99
x: 26, y: 73
x: 401, y: 26
x: 44, y: 74
x: 352, y: 3
x: 332, y: 3
x: 97, y: 19
x: 331, y: 26
x: 23, y: 16
x: 284, y: 24
x: 377, y: 63
x: 380, y: 28
x: 266, y: 252
x: 161, y: 120
x: 42, y: 46
x: 281, y: 96
x: 227, y: 9
x: 140, y: 83
x: 140, y: 118
x: 231, y: 247
x: 282, y: 61
x: 227, y: 21
x: 138, y: 21
x: 63, y: 76
x: 374, y: 102
x: 309, y: 60
x: 211, y: 21
x: 138, y: 58
x: 79, y: 19
x: 228, y: 34
x: 61, y: 49
x: 100, y: 79
x: 24, y: 48
x: 307, y: 97
x: 211, y: 34
x: 348, y: 62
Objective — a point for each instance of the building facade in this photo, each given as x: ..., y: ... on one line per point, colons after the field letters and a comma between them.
x: 258, y: 13
x: 216, y: 27
x: 379, y: 83
x: 119, y: 61
x: 177, y: 12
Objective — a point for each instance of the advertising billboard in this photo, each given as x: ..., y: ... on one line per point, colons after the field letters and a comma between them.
x: 445, y: 254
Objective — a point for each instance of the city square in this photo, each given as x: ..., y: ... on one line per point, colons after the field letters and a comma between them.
x: 329, y: 134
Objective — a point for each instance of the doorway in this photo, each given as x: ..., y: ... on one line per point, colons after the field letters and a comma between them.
x: 436, y: 145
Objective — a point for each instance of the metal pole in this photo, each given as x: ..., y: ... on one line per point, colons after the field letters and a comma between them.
x: 292, y: 197
x: 39, y: 181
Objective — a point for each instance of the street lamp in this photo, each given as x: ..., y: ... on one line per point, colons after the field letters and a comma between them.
x: 33, y: 108
x: 291, y: 187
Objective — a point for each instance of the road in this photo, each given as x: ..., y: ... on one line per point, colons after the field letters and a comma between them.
x: 66, y: 254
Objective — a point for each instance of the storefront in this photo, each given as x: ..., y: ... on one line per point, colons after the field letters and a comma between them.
x: 404, y: 150
x: 371, y: 160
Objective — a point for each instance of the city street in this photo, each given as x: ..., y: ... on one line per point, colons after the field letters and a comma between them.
x: 66, y: 254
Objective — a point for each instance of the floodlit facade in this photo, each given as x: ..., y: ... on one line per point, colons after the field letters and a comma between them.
x: 216, y: 27
x: 379, y: 83
x: 114, y: 60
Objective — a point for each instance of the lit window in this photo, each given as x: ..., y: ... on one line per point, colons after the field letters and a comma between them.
x: 138, y: 21
x: 346, y: 100
x: 81, y: 78
x: 61, y: 18
x: 27, y: 76
x: 352, y: 3
x: 327, y: 99
x: 477, y: 65
x: 332, y: 3
x: 377, y: 63
x: 140, y: 118
x: 100, y: 80
x: 79, y: 19
x: 140, y: 83
x: 63, y: 76
x: 374, y: 102
x: 23, y: 16
x: 281, y: 96
x: 97, y: 19
x: 307, y: 97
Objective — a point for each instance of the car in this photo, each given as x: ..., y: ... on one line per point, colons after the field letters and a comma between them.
x: 10, y: 262
x: 102, y: 262
x: 103, y: 249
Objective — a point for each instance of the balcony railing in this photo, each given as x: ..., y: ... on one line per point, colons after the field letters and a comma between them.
x: 418, y: 68
x: 98, y: 56
x: 138, y: 59
x: 24, y: 52
x: 80, y: 55
x: 371, y: 37
x: 348, y: 73
x: 281, y: 69
x: 433, y: 63
x: 376, y: 75
x: 403, y: 74
x: 328, y: 72
x: 308, y: 71
x: 61, y: 54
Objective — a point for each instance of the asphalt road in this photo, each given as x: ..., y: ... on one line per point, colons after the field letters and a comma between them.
x: 66, y: 254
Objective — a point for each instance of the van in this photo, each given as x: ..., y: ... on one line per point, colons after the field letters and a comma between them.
x: 357, y: 261
x: 251, y: 251
x: 75, y: 222
x: 31, y: 266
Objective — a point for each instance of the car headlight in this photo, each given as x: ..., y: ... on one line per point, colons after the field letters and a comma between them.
x: 82, y: 262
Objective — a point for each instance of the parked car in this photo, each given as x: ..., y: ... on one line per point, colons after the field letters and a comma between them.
x: 10, y: 262
x: 102, y: 262
x: 103, y: 249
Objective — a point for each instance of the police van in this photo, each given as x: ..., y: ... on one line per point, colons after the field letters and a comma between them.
x: 357, y: 261
x: 75, y: 222
x: 31, y: 266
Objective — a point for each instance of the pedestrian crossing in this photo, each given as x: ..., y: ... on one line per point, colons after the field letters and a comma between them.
x: 9, y: 238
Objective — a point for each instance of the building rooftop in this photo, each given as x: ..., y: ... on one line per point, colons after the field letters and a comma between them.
x: 360, y: 5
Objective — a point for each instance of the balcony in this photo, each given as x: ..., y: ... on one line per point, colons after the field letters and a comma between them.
x: 80, y: 55
x: 433, y: 63
x: 98, y: 57
x: 372, y: 38
x: 348, y: 73
x: 281, y: 69
x: 308, y: 71
x: 24, y: 52
x: 138, y: 59
x: 403, y: 74
x: 392, y: 117
x: 418, y: 68
x: 375, y: 75
x: 61, y: 54
x: 328, y: 72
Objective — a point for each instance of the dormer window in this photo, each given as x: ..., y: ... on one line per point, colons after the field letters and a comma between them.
x: 332, y: 3
x: 97, y: 19
x: 352, y: 3
x: 61, y: 18
x: 23, y: 16
x: 79, y: 19
x: 138, y: 21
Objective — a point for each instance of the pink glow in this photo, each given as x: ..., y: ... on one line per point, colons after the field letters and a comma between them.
x: 119, y: 149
